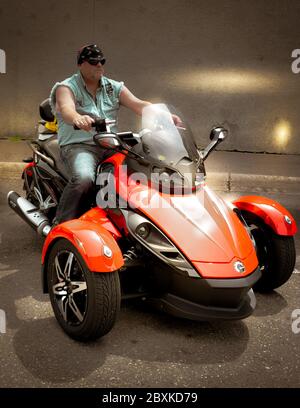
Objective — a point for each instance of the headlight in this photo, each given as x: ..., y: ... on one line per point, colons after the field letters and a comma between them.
x: 143, y: 230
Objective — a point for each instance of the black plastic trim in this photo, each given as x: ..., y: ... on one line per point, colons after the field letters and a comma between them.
x: 205, y: 294
x: 185, y: 309
x: 247, y: 281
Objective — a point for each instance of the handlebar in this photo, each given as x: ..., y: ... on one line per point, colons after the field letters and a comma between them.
x: 100, y: 124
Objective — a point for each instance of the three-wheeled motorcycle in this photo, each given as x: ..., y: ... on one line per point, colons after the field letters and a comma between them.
x: 154, y: 231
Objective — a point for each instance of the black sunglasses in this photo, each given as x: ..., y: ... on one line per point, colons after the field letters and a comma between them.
x: 95, y: 61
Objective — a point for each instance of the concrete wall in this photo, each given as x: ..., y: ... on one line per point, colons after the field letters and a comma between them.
x: 218, y: 61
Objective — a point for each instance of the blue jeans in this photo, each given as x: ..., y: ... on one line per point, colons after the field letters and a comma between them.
x: 81, y: 161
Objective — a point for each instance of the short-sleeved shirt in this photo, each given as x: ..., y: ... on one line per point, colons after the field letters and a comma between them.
x: 105, y: 106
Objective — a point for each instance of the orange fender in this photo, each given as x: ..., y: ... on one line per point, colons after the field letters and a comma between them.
x: 98, y: 216
x: 89, y: 238
x: 271, y: 212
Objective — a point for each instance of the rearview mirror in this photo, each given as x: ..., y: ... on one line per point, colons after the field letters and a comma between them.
x: 107, y: 140
x: 218, y: 134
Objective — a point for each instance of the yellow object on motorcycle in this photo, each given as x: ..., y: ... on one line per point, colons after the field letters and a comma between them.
x: 52, y: 126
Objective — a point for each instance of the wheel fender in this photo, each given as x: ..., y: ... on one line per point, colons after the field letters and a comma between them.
x: 270, y: 211
x: 91, y: 240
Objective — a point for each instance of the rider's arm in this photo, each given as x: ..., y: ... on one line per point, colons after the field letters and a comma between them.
x: 65, y: 105
x: 132, y: 102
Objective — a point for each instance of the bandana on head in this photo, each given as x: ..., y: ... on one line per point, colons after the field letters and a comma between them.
x: 90, y: 51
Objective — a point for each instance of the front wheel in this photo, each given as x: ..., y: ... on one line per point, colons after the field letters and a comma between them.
x: 276, y: 254
x: 85, y: 304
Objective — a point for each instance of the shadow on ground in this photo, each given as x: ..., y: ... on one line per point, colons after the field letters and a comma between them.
x: 269, y: 304
x: 49, y: 355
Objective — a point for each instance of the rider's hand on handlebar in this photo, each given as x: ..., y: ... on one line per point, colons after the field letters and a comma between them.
x: 83, y: 122
x: 177, y: 121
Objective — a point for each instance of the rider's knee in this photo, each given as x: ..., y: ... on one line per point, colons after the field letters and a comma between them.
x: 84, y: 182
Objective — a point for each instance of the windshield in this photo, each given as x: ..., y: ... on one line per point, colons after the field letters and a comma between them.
x: 163, y: 141
x: 169, y: 154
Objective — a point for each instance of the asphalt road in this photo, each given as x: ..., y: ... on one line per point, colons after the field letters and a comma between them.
x: 145, y: 348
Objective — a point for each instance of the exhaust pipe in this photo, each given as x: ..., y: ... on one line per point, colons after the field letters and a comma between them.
x: 26, y: 210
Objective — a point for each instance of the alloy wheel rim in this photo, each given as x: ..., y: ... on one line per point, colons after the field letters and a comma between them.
x: 69, y: 287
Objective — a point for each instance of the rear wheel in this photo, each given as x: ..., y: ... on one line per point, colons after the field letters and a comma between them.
x: 276, y: 254
x: 85, y: 303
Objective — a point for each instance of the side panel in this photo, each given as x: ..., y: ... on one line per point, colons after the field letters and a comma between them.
x: 89, y: 239
x: 271, y: 212
x: 98, y: 216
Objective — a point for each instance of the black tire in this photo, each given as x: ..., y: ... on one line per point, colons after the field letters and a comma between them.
x: 276, y: 254
x: 95, y: 297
